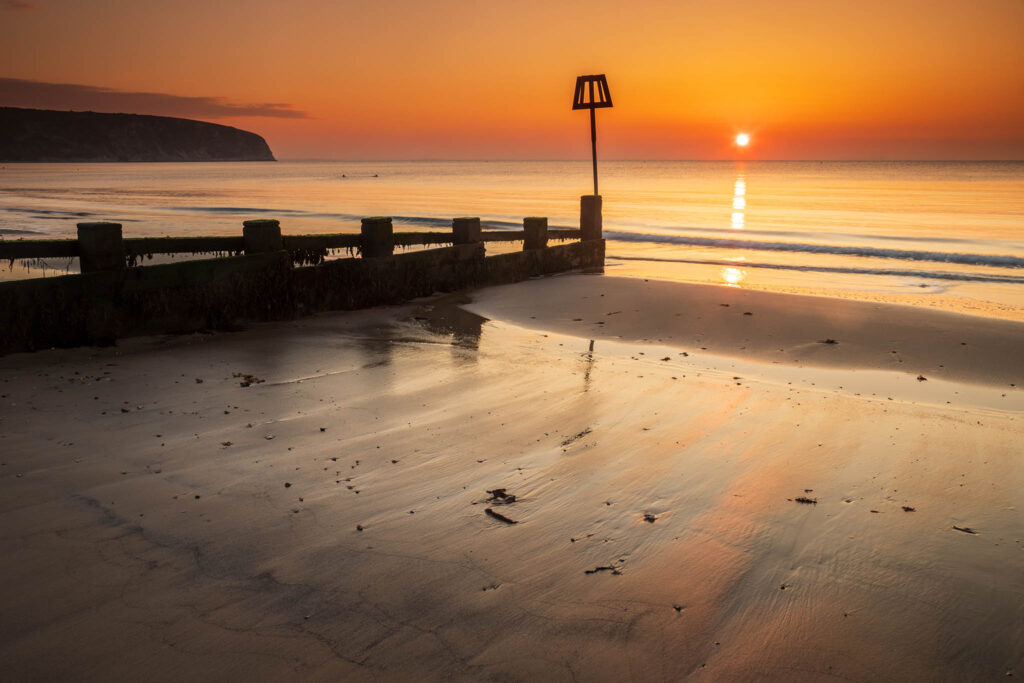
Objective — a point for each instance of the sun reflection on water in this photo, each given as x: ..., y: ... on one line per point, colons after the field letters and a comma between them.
x: 739, y: 202
x: 732, y: 276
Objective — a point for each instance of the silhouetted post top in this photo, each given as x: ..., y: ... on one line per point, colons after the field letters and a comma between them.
x: 592, y: 93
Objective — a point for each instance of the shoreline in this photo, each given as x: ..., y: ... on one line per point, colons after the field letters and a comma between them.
x: 770, y: 327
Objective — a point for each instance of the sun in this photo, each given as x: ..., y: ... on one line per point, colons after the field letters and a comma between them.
x: 742, y: 140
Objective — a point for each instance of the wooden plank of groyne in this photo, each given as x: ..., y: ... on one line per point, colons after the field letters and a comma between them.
x: 408, y: 239
x: 501, y: 235
x: 564, y: 234
x: 328, y: 241
x: 313, y: 249
x: 19, y: 249
x: 519, y: 235
x: 141, y: 246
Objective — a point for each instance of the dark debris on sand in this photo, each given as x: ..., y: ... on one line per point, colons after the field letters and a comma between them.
x: 501, y: 497
x: 247, y: 379
x: 500, y: 517
x: 605, y: 568
x: 576, y: 437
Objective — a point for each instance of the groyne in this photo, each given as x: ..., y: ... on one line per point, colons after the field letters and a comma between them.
x: 265, y: 275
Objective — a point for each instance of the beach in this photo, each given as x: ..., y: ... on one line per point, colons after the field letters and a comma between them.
x: 684, y: 481
x: 375, y: 357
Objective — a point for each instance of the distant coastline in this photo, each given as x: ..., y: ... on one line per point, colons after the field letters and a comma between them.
x: 42, y: 135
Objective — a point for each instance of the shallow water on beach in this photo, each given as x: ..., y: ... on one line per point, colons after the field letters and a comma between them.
x: 941, y: 234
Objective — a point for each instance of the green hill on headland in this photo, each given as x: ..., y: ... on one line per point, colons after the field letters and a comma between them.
x: 41, y: 135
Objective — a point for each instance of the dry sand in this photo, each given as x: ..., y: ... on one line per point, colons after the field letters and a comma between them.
x: 329, y: 522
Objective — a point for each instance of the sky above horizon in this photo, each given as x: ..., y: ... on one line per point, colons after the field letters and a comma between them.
x: 452, y: 79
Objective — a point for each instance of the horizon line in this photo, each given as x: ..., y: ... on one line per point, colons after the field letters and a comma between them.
x: 588, y: 160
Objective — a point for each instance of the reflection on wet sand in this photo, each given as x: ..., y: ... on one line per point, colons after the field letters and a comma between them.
x: 378, y: 348
x: 445, y: 317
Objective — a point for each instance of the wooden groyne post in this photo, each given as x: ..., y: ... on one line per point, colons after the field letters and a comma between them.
x: 590, y: 218
x: 377, y: 237
x: 100, y: 247
x: 466, y: 230
x: 535, y: 233
x: 261, y: 236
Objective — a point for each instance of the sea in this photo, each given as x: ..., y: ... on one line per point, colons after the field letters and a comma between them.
x: 947, y: 235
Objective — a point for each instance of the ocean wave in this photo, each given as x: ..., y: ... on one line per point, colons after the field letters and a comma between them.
x: 640, y: 225
x: 927, y: 274
x: 798, y: 247
x: 48, y: 213
x: 18, y: 231
x: 226, y: 209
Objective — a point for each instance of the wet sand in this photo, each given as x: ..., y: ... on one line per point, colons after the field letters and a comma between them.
x: 329, y: 521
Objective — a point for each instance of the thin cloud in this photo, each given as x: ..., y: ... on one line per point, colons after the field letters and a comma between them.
x: 16, y: 5
x: 17, y: 92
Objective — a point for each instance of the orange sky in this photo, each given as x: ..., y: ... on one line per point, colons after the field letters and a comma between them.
x: 383, y: 79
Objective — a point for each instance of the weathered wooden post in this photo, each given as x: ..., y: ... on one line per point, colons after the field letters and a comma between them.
x: 590, y: 217
x: 535, y: 233
x: 261, y: 236
x: 466, y: 230
x: 100, y: 247
x: 377, y: 237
